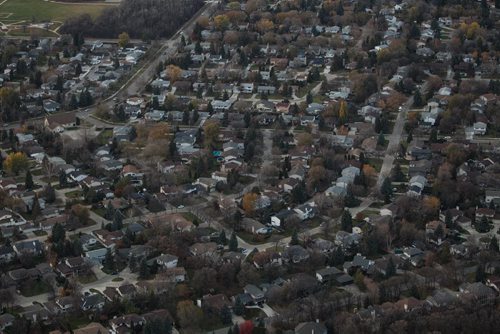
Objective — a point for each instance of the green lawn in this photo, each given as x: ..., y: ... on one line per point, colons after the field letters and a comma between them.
x: 39, y: 10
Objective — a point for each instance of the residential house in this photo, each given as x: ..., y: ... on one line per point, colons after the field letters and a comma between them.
x: 295, y: 254
x: 255, y: 293
x: 61, y: 121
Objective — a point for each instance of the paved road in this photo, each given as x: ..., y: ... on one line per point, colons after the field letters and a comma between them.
x: 395, y: 139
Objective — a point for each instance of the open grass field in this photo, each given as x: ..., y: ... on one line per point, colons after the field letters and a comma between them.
x: 12, y: 11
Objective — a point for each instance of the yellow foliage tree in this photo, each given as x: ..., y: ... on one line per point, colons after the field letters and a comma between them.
x: 123, y: 39
x: 248, y: 203
x: 16, y: 162
x: 173, y: 72
x: 265, y: 25
x: 221, y: 22
x: 211, y: 130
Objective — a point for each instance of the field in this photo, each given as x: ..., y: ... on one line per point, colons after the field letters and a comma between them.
x: 14, y: 11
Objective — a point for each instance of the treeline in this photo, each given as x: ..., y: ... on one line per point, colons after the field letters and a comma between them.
x: 145, y: 19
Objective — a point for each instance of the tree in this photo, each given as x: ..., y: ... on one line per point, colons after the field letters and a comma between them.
x: 189, y: 315
x: 144, y: 269
x: 248, y: 202
x: 397, y: 174
x: 221, y: 22
x: 58, y: 233
x: 381, y: 139
x: 346, y: 221
x: 359, y: 280
x: 173, y: 72
x: 211, y: 130
x: 226, y: 316
x: 417, y: 99
x: 386, y: 190
x: 222, y: 237
x: 117, y: 221
x: 28, y: 180
x: 480, y: 274
x: 390, y: 270
x: 49, y: 194
x: 309, y: 98
x: 110, y: 211
x: 433, y: 138
x: 123, y: 39
x: 233, y: 243
x: 16, y: 162
x: 295, y: 238
x: 494, y: 244
x: 36, y: 210
x: 239, y: 308
x: 109, y: 261
x: 62, y: 179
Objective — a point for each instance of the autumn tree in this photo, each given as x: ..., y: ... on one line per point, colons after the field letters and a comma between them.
x: 211, y: 130
x: 173, y: 72
x: 221, y: 22
x: 265, y: 25
x: 386, y: 190
x: 16, y: 162
x: 248, y: 202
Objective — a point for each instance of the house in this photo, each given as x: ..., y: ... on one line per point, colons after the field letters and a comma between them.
x: 125, y: 324
x: 66, y: 303
x: 441, y: 298
x: 310, y: 328
x: 92, y: 328
x: 479, y: 128
x: 214, y: 303
x: 280, y: 218
x: 358, y: 262
x: 246, y: 88
x: 34, y: 248
x: 175, y: 275
x: 491, y: 195
x: 435, y: 231
x: 7, y: 253
x: 489, y: 214
x: 255, y: 293
x: 167, y: 261
x: 328, y: 274
x: 50, y: 106
x: 414, y: 255
x: 306, y: 211
x: 295, y: 254
x: 126, y: 290
x: 6, y: 320
x: 203, y: 249
x: 61, y: 121
x: 479, y: 292
x: 417, y: 185
x: 94, y: 301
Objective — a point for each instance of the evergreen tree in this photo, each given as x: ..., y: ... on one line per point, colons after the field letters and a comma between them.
x: 117, y: 220
x: 417, y: 99
x: 386, y: 190
x: 109, y: 261
x: 226, y: 316
x: 480, y: 274
x: 239, y: 308
x: 73, y: 103
x: 494, y: 244
x: 222, y: 238
x: 49, y: 194
x: 390, y: 270
x: 295, y: 238
x: 62, y: 179
x: 346, y: 221
x: 143, y: 269
x: 397, y: 173
x: 110, y: 211
x: 210, y: 109
x: 309, y: 98
x: 433, y: 138
x: 409, y: 138
x: 58, y: 233
x: 381, y: 139
x: 233, y: 243
x: 36, y: 210
x: 28, y: 180
x: 172, y: 148
x: 448, y: 219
